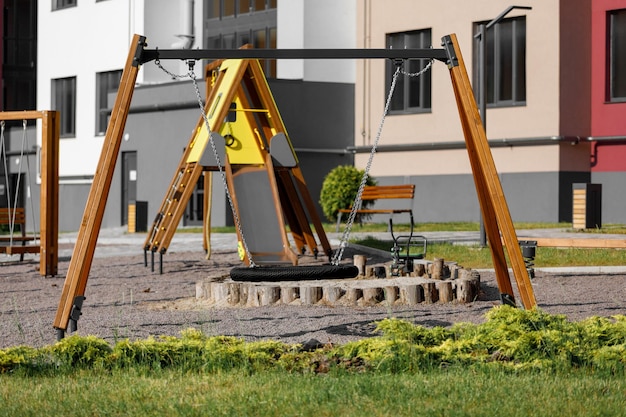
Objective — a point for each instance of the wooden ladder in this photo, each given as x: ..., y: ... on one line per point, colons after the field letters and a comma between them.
x: 172, y: 208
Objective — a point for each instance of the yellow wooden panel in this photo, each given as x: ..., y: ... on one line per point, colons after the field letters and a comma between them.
x: 246, y: 149
x: 232, y: 71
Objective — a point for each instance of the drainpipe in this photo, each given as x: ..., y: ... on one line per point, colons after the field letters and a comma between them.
x: 187, y: 38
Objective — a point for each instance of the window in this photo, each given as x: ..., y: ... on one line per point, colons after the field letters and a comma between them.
x: 106, y: 82
x: 19, y: 45
x: 617, y: 56
x: 64, y: 101
x: 249, y: 21
x: 63, y: 4
x: 505, y: 55
x: 229, y: 8
x: 411, y: 94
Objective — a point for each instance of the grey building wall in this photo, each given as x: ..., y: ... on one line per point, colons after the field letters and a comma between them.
x: 533, y: 197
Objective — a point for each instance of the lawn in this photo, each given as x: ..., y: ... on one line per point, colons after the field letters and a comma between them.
x: 517, y: 363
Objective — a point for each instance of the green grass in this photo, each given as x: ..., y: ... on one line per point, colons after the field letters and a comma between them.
x: 473, y: 256
x: 518, y: 362
x: 435, y: 227
x: 450, y: 392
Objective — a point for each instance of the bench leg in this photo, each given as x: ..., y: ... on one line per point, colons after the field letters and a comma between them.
x: 339, y: 216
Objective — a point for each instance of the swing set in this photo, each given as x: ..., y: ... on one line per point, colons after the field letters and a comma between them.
x: 252, y: 152
x: 13, y: 215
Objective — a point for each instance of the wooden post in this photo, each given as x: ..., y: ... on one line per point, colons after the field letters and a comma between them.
x: 437, y: 272
x: 49, y: 197
x: 360, y: 262
x: 488, y: 186
x: 82, y: 256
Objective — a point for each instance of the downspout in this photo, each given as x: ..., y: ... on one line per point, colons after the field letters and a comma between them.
x: 365, y: 134
x: 187, y: 37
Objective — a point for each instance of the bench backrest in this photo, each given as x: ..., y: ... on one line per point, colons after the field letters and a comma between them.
x: 375, y: 192
x: 7, y: 216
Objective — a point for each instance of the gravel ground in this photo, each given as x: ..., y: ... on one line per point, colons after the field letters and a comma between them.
x: 127, y: 300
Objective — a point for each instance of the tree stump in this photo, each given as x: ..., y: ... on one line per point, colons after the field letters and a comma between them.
x: 234, y: 292
x: 219, y: 292
x: 419, y: 270
x: 430, y: 292
x: 267, y: 295
x: 437, y: 272
x: 352, y: 296
x: 310, y: 295
x: 288, y: 294
x: 391, y: 295
x: 411, y: 294
x: 332, y: 294
x: 244, y: 292
x: 446, y: 295
x: 359, y: 262
x: 203, y: 290
x: 465, y: 290
x: 252, y: 300
x: 372, y: 296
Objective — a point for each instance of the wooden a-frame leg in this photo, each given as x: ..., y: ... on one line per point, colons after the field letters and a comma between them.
x: 489, y: 188
x: 82, y: 256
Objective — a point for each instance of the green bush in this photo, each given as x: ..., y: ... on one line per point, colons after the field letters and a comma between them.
x: 340, y: 188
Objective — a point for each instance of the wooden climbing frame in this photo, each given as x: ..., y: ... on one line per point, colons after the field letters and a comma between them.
x: 49, y: 190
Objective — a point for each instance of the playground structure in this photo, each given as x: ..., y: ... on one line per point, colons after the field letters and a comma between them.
x: 13, y: 215
x: 498, y: 223
x: 249, y: 143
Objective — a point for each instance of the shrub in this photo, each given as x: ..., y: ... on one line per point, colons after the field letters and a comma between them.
x: 340, y: 188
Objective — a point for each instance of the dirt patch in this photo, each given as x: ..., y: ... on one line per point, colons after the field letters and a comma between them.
x: 125, y: 299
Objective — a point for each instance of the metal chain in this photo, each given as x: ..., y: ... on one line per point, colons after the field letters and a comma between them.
x: 191, y: 64
x: 191, y: 74
x: 420, y: 72
x: 4, y: 160
x: 338, y: 256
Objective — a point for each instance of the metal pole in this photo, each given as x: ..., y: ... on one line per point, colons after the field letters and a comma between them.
x: 482, y: 74
x: 483, y: 107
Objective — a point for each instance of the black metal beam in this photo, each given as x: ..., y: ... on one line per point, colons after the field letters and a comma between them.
x: 148, y: 55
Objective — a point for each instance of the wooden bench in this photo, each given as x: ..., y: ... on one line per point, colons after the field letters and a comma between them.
x: 16, y: 217
x: 380, y: 192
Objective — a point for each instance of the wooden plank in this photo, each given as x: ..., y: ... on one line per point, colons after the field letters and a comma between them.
x: 49, y: 194
x: 493, y: 198
x: 377, y: 211
x: 577, y: 242
x: 82, y: 256
x: 21, y: 115
x: 18, y: 250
